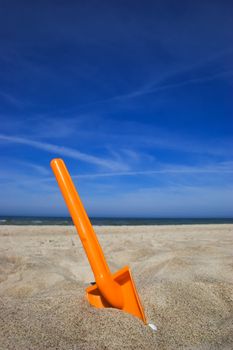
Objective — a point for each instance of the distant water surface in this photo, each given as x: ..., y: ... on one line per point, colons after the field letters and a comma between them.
x: 34, y: 220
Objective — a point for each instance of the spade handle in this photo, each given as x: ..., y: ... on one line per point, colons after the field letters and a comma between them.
x: 80, y: 219
x: 109, y: 289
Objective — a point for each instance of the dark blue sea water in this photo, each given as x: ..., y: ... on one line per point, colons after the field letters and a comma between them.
x: 39, y: 220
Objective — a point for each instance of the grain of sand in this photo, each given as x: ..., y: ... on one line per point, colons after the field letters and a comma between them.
x: 184, y: 275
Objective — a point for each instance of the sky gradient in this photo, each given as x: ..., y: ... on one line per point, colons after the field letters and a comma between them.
x: 136, y: 97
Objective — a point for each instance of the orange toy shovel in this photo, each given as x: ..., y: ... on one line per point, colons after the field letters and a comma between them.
x: 110, y: 290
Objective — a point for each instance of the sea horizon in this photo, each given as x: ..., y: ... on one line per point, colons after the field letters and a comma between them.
x: 110, y: 221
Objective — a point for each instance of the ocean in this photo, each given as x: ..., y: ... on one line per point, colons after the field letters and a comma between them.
x: 42, y: 220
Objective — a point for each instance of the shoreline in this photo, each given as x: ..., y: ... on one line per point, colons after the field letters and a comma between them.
x: 177, y: 226
x: 66, y: 221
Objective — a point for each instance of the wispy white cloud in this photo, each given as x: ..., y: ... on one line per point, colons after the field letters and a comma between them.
x: 159, y: 84
x: 157, y: 87
x: 11, y: 99
x: 180, y: 71
x: 221, y: 168
x: 38, y: 169
x: 133, y: 140
x: 65, y: 151
x: 201, y: 80
x: 40, y: 176
x: 185, y: 190
x: 199, y: 201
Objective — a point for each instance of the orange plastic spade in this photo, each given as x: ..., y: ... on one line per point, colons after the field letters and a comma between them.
x: 110, y: 290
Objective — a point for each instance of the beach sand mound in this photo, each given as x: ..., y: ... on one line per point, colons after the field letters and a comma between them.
x: 184, y: 276
x: 62, y: 319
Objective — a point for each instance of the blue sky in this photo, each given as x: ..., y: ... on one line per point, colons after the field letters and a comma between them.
x: 136, y: 97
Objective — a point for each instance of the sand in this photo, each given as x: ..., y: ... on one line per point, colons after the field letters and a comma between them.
x: 184, y: 275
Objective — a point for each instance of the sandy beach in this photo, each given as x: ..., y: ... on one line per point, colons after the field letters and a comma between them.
x: 184, y: 275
